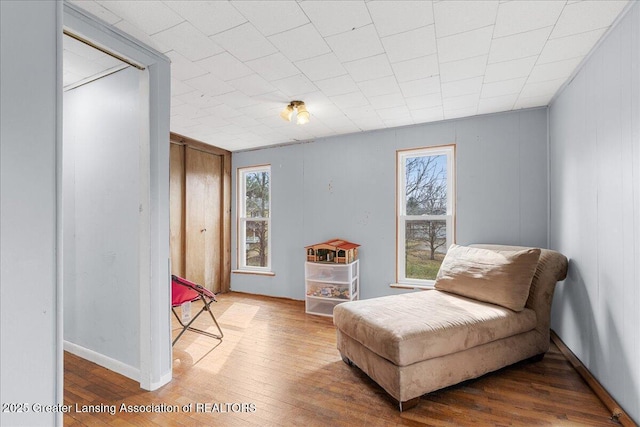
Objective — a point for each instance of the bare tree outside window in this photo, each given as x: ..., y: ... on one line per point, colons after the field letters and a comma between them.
x: 257, y: 206
x: 254, y: 217
x: 424, y: 212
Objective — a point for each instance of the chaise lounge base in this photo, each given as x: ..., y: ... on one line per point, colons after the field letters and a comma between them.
x: 415, y: 343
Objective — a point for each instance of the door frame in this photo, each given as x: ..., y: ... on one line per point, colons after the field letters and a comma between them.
x: 155, y: 322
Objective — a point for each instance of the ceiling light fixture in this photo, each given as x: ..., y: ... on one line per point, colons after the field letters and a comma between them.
x: 302, y: 115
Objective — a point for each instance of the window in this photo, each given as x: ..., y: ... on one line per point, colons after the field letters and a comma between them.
x: 425, y: 212
x: 254, y: 218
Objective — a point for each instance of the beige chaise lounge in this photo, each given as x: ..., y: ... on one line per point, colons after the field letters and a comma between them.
x: 415, y: 343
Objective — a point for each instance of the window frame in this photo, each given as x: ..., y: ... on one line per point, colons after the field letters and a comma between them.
x: 242, y: 219
x: 401, y: 217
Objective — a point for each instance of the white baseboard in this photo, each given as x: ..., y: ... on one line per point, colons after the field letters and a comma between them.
x: 105, y: 361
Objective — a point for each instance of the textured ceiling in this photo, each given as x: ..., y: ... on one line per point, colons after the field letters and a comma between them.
x: 358, y: 65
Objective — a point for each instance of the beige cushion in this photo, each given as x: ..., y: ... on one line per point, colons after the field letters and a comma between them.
x: 409, y: 328
x: 496, y: 277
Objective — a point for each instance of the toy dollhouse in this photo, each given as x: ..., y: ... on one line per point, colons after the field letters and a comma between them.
x: 337, y: 251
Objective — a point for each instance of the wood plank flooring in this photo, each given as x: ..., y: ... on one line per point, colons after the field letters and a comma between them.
x: 278, y: 366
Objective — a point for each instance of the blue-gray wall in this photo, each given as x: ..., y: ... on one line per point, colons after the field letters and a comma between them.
x: 31, y: 358
x: 101, y: 222
x: 595, y: 212
x: 344, y: 187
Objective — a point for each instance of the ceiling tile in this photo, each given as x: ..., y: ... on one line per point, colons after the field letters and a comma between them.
x: 300, y: 43
x: 455, y: 17
x: 425, y: 115
x: 497, y: 104
x: 357, y: 44
x: 187, y: 40
x: 178, y: 88
x: 295, y: 85
x: 244, y: 42
x: 421, y: 86
x: 358, y: 65
x: 235, y: 99
x: 381, y: 86
x: 424, y: 101
x: 570, y: 46
x: 334, y: 17
x: 315, y: 99
x: 509, y: 69
x: 223, y: 111
x: 393, y: 113
x: 458, y: 102
x: 373, y: 67
x: 180, y: 123
x: 460, y: 112
x: 148, y: 17
x: 209, y: 84
x: 397, y: 16
x: 329, y: 112
x: 545, y: 88
x: 410, y: 44
x: 586, y: 16
x: 463, y: 69
x: 519, y: 45
x: 321, y: 67
x: 533, y: 101
x: 338, y: 85
x: 465, y: 45
x: 401, y: 120
x: 504, y: 87
x: 361, y: 113
x: 369, y: 123
x: 140, y: 35
x: 197, y: 99
x: 553, y: 70
x: 210, y: 17
x: 516, y: 17
x: 243, y: 121
x: 413, y: 69
x: 387, y: 101
x: 261, y: 110
x: 252, y: 85
x: 272, y: 17
x: 274, y: 67
x: 462, y: 87
x: 224, y: 66
x: 350, y: 100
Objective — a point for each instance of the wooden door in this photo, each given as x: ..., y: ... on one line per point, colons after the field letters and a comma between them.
x: 176, y: 208
x: 203, y: 218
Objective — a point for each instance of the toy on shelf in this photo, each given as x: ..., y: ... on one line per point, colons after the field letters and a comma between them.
x: 337, y: 251
x: 328, y: 292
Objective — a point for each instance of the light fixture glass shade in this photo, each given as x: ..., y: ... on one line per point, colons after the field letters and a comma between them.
x: 303, y: 114
x: 287, y: 113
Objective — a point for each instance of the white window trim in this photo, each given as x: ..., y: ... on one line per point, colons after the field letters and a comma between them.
x: 242, y: 220
x: 401, y: 218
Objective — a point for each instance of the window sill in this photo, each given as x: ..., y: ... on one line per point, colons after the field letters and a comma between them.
x: 409, y: 286
x: 255, y: 272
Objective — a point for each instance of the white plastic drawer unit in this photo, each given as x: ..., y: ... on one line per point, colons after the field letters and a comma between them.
x: 328, y: 284
x: 338, y: 273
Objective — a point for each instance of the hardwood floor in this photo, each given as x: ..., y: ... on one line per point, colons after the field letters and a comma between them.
x: 277, y: 366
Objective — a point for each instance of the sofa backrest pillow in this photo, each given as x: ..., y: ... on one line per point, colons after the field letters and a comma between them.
x: 497, y: 277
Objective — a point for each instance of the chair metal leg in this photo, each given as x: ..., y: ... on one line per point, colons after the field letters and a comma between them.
x: 200, y: 331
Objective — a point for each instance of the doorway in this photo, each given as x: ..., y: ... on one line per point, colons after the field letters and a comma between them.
x: 115, y: 216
